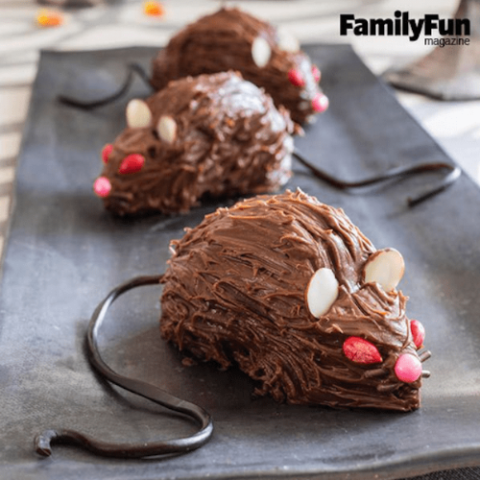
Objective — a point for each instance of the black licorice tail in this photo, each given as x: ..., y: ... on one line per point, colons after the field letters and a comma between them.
x: 397, y: 172
x: 133, y: 68
x: 44, y: 441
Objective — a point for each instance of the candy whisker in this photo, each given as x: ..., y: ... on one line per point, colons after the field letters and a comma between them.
x: 377, y: 372
x: 425, y: 355
x: 387, y: 388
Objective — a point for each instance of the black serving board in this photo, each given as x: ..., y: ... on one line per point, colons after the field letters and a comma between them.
x: 64, y: 253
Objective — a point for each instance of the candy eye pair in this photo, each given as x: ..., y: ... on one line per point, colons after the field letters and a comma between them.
x: 360, y: 350
x: 385, y: 267
x: 408, y: 367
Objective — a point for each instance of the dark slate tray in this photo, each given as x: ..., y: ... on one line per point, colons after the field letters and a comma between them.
x: 64, y: 253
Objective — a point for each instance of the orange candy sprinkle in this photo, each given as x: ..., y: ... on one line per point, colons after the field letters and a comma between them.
x: 49, y: 18
x: 153, y: 9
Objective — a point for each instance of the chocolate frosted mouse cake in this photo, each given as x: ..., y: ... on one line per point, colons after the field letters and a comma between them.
x: 212, y: 135
x: 288, y: 289
x: 231, y: 39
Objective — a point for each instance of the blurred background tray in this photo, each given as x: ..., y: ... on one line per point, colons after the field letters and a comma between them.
x: 64, y: 253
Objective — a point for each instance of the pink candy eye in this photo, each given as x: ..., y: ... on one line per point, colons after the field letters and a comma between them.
x: 102, y: 186
x: 316, y: 73
x: 132, y: 163
x: 361, y: 351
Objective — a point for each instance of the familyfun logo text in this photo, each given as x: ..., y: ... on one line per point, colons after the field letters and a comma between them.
x: 403, y: 25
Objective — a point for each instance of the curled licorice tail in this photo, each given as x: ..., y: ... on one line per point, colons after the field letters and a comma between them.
x: 397, y: 172
x: 129, y: 449
x: 133, y: 68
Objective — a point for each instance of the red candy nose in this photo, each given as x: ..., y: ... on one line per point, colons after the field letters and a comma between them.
x: 418, y: 333
x: 106, y: 151
x: 408, y: 368
x: 102, y: 186
x: 361, y: 351
x: 316, y: 73
x: 296, y: 78
x: 132, y: 163
x: 320, y: 103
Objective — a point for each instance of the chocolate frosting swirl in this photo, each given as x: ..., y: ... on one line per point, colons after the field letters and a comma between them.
x: 223, y: 41
x: 229, y: 139
x: 235, y: 292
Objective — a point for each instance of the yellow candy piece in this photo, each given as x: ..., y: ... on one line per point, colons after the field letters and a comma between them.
x: 153, y: 9
x: 49, y: 18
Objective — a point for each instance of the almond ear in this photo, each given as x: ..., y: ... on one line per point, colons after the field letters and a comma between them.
x: 138, y: 114
x: 261, y: 52
x: 167, y: 129
x: 286, y: 41
x: 385, y: 267
x: 322, y: 291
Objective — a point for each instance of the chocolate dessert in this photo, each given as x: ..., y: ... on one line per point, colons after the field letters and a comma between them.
x: 215, y: 135
x: 231, y: 39
x: 290, y: 291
